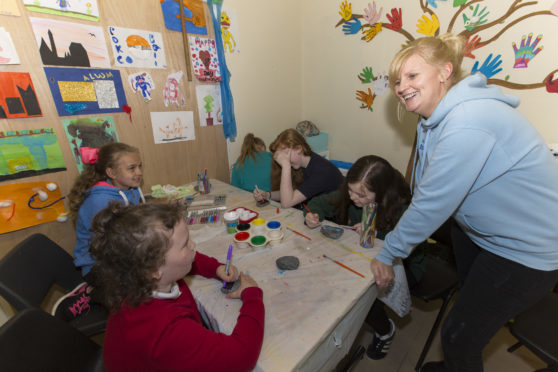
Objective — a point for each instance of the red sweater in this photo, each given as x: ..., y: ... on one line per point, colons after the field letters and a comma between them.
x: 168, y: 335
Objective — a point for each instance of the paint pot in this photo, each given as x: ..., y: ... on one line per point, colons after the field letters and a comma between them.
x: 242, y: 239
x: 274, y: 237
x: 231, y: 221
x: 258, y: 226
x: 243, y: 227
x: 273, y: 226
x: 258, y: 241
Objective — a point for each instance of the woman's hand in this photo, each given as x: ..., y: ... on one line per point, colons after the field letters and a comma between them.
x: 233, y: 273
x: 283, y: 157
x: 245, y: 282
x: 259, y: 194
x: 312, y: 220
x: 383, y: 274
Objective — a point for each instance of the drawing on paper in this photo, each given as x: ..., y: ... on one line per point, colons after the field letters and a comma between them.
x: 143, y: 83
x: 27, y: 153
x: 17, y: 96
x: 70, y: 44
x: 137, y: 48
x: 8, y: 53
x: 209, y: 105
x: 91, y: 132
x: 205, y: 62
x: 229, y: 31
x: 82, y: 9
x: 172, y: 93
x: 78, y: 91
x: 193, y: 13
x: 173, y: 126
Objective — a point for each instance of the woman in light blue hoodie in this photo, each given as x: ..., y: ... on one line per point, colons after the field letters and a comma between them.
x: 481, y: 162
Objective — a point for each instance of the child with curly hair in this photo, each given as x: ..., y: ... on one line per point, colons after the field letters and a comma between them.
x: 143, y: 252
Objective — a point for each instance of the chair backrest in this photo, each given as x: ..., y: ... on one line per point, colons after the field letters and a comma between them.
x: 33, y: 340
x: 30, y: 269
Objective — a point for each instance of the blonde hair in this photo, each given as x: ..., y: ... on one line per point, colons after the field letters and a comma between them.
x: 249, y: 148
x: 291, y: 139
x: 435, y: 50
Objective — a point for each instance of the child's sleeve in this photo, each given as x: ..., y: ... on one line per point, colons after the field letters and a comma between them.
x: 188, y: 345
x: 205, y: 266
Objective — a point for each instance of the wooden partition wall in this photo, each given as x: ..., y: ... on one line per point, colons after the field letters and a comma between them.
x: 173, y: 163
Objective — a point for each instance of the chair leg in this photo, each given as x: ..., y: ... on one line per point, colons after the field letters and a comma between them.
x: 514, y: 347
x: 434, y: 329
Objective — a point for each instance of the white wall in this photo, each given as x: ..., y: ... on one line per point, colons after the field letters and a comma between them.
x: 295, y: 65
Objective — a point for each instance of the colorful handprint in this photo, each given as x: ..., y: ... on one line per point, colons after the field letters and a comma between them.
x: 372, y: 31
x: 351, y: 27
x: 470, y: 45
x: 428, y: 26
x: 367, y: 99
x: 366, y: 76
x: 526, y: 51
x: 476, y: 18
x: 346, y: 11
x: 433, y: 3
x: 457, y: 3
x: 370, y: 14
x: 489, y: 67
x: 381, y: 84
x: 395, y: 19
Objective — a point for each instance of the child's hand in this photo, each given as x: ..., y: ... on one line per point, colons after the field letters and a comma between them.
x: 283, y: 157
x: 312, y: 220
x: 358, y: 227
x: 245, y: 282
x: 259, y: 194
x: 233, y: 273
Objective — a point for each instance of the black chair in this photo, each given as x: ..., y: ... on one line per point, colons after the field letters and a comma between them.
x: 537, y: 329
x: 33, y: 340
x: 32, y: 267
x: 438, y: 282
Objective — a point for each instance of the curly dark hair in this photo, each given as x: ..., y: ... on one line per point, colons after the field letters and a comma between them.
x: 380, y: 177
x: 289, y: 138
x: 129, y: 244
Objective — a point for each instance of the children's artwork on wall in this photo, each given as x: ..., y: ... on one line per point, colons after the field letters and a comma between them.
x: 229, y: 31
x: 9, y: 7
x: 88, y: 133
x: 137, y: 48
x: 78, y: 91
x: 30, y: 203
x: 380, y: 86
x: 205, y: 62
x: 27, y: 153
x: 17, y: 96
x: 82, y: 9
x: 172, y: 93
x: 142, y: 82
x: 70, y: 44
x: 193, y: 12
x: 209, y: 105
x: 8, y: 53
x: 478, y: 21
x: 173, y: 126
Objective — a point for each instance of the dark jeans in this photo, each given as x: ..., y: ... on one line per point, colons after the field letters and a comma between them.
x: 493, y: 290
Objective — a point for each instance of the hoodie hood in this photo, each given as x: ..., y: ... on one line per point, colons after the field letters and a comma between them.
x: 472, y: 87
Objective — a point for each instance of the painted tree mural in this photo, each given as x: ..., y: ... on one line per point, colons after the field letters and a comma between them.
x: 475, y: 16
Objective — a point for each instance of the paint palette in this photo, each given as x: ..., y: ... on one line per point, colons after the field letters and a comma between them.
x: 331, y: 232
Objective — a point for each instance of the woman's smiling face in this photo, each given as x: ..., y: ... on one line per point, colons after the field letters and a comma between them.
x: 421, y: 86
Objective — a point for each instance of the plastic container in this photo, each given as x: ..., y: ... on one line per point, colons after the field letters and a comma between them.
x: 258, y: 241
x: 242, y: 239
x: 258, y: 226
x: 243, y: 227
x: 274, y: 237
x: 245, y: 215
x: 273, y: 225
x: 231, y: 221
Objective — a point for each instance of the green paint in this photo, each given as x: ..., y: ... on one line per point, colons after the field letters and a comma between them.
x: 258, y: 240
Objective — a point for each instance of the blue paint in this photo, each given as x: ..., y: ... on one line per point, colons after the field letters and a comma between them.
x: 274, y: 225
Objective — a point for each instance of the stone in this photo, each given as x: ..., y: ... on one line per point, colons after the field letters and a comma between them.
x: 287, y: 263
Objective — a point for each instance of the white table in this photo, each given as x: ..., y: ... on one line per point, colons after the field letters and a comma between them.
x: 314, y: 313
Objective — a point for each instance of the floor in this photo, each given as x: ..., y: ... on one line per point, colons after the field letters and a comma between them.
x: 409, y: 339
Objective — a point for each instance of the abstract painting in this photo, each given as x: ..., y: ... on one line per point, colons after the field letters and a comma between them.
x: 70, y: 44
x: 26, y: 153
x: 17, y: 96
x: 78, y: 91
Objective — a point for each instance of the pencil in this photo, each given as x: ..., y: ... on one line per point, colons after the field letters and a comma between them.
x: 308, y: 209
x: 342, y: 265
x: 296, y: 232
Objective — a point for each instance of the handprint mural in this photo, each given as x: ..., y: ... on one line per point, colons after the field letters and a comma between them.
x: 477, y: 21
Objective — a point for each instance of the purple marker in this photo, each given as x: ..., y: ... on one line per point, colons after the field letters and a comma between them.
x: 228, y: 264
